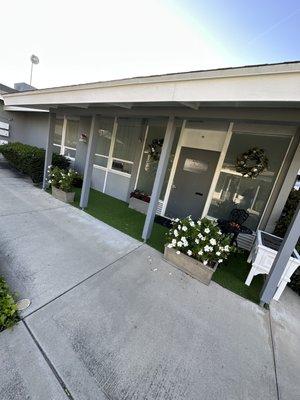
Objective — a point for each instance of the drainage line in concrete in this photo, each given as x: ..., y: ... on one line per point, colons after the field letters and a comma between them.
x: 273, y: 354
x: 56, y: 374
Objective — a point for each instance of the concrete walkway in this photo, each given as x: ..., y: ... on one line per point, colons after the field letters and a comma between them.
x: 110, y: 319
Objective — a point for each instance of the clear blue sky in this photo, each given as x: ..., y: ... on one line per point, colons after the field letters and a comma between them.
x: 255, y: 31
x: 92, y: 40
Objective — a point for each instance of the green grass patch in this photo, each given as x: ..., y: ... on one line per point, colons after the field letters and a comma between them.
x: 8, y: 308
x: 231, y: 275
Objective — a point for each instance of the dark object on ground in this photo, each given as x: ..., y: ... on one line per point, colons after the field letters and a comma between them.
x: 282, y: 226
x: 30, y: 159
x: 163, y: 221
x: 140, y: 195
x: 234, y: 225
x: 77, y: 182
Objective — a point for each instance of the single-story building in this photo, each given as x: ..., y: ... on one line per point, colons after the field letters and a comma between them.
x: 178, y: 138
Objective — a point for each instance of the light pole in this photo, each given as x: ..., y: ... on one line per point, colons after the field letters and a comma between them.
x: 34, y: 60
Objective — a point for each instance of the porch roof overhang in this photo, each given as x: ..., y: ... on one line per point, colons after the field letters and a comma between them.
x: 273, y: 85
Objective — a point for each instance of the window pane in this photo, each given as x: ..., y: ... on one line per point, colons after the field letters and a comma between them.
x: 58, y: 131
x: 104, y: 127
x: 122, y: 166
x: 235, y: 191
x: 56, y: 149
x: 128, y: 133
x: 99, y: 160
x: 72, y: 134
x: 70, y: 152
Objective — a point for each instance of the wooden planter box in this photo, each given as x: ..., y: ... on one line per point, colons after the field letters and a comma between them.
x: 189, y: 265
x: 138, y: 205
x: 66, y: 197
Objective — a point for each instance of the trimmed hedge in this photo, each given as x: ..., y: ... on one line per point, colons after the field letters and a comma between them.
x: 8, y: 308
x: 30, y: 159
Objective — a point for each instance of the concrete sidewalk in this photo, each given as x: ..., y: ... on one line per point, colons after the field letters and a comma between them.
x: 110, y: 319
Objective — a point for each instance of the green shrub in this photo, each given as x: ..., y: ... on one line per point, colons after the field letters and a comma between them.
x: 30, y: 159
x: 8, y: 308
x: 282, y: 226
x: 62, y: 179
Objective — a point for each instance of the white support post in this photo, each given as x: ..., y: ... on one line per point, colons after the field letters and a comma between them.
x: 286, y: 249
x: 159, y: 177
x: 49, y: 148
x: 89, y: 162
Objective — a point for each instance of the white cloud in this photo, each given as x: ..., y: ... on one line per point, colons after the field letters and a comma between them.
x: 91, y: 40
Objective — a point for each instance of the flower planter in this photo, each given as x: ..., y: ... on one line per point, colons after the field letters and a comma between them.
x: 191, y: 266
x: 138, y: 205
x: 66, y: 197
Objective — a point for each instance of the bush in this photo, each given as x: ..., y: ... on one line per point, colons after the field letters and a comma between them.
x: 30, y: 159
x: 8, y: 308
x: 62, y: 179
x: 282, y: 226
x: 200, y: 239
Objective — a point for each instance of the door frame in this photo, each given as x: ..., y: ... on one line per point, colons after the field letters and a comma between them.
x: 216, y: 175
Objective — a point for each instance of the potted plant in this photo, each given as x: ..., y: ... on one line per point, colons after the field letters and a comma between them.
x: 139, y: 201
x: 62, y: 183
x: 197, y: 247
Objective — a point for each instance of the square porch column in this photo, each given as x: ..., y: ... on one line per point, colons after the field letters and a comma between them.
x: 159, y: 177
x: 286, y: 249
x: 49, y: 147
x: 89, y: 162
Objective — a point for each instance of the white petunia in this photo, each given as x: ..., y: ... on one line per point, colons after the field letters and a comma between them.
x: 200, y: 235
x: 199, y: 222
x: 203, y: 238
x: 179, y: 244
x: 213, y: 241
x: 226, y: 248
x: 219, y: 232
x: 206, y: 248
x: 204, y: 262
x: 192, y: 223
x: 179, y: 227
x: 200, y: 252
x: 183, y: 238
x: 206, y: 230
x: 174, y: 242
x: 220, y: 260
x: 184, y: 228
x: 176, y: 233
x: 189, y: 252
x: 177, y: 252
x: 170, y: 245
x: 218, y: 253
x: 197, y: 241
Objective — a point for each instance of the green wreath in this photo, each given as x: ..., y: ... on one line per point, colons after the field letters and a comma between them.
x: 252, y: 163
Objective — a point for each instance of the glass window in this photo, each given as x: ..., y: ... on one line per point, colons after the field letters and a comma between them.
x: 122, y: 166
x: 72, y: 134
x: 104, y: 128
x: 58, y: 131
x: 156, y: 130
x: 100, y: 160
x: 70, y: 152
x: 56, y: 149
x: 235, y: 191
x: 128, y: 133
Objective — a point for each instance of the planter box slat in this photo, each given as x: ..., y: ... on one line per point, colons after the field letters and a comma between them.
x: 190, y: 266
x: 66, y: 197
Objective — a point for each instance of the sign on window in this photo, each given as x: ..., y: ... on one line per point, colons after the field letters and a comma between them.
x: 195, y: 166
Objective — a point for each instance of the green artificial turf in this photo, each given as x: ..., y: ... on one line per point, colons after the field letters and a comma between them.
x: 231, y: 275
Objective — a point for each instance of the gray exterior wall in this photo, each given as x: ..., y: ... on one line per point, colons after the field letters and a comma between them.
x: 117, y: 186
x: 26, y: 127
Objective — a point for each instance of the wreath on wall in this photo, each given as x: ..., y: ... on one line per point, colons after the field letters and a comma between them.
x: 154, y: 150
x: 252, y: 163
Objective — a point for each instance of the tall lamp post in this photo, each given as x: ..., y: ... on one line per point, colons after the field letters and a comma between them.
x: 34, y: 60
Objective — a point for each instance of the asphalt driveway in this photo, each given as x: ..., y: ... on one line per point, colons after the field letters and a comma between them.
x: 110, y: 319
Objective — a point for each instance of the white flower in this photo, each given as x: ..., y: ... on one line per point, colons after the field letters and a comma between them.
x: 205, y: 262
x: 49, y: 180
x: 183, y: 238
x: 211, y: 248
x: 177, y: 252
x: 206, y: 248
x: 197, y: 241
x: 219, y: 233
x: 174, y: 242
x: 179, y: 244
x: 218, y: 253
x: 226, y: 248
x: 199, y: 222
x: 176, y: 233
x: 203, y: 238
x: 192, y: 223
x: 189, y: 252
x: 176, y: 220
x: 200, y: 235
x: 200, y: 252
x: 170, y: 245
x: 220, y: 260
x: 213, y: 241
x: 206, y: 230
x: 184, y: 228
